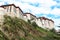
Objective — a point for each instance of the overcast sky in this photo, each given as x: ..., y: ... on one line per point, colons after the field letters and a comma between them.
x: 46, y: 8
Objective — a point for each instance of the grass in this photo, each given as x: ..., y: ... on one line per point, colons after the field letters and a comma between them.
x: 3, y: 36
x: 18, y: 29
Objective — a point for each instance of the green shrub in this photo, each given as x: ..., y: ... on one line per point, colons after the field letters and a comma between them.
x: 29, y: 21
x: 34, y: 24
x: 15, y: 26
x: 52, y: 30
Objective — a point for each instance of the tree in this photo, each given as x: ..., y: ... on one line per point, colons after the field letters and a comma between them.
x: 29, y: 21
x: 53, y: 30
x: 34, y: 24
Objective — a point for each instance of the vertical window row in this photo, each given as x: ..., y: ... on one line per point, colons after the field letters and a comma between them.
x: 14, y: 9
x: 7, y: 8
x: 10, y: 8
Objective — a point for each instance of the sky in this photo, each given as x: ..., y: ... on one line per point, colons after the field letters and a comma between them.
x: 46, y: 8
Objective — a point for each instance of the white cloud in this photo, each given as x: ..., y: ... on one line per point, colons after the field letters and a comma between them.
x: 9, y: 1
x: 43, y: 3
x: 2, y: 3
x: 30, y: 1
x: 55, y: 11
x: 57, y: 21
x: 47, y: 3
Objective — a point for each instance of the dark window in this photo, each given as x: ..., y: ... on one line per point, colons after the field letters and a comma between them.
x: 10, y: 8
x: 15, y: 10
x: 7, y: 8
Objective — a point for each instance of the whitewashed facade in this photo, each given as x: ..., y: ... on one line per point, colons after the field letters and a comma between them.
x: 13, y: 11
x: 30, y: 16
x: 25, y: 17
x: 45, y: 23
x: 39, y: 22
x: 51, y: 24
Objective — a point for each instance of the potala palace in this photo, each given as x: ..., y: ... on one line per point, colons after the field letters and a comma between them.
x: 14, y: 11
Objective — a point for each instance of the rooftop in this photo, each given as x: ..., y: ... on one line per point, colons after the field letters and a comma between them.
x: 11, y: 5
x: 46, y: 19
x: 30, y: 14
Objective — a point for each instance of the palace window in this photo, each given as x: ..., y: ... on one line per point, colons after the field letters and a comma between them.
x: 14, y: 9
x: 7, y: 8
x: 10, y: 8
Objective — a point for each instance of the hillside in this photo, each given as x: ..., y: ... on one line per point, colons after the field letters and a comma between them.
x: 18, y: 29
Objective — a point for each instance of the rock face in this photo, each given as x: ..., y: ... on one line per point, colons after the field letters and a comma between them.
x: 18, y: 29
